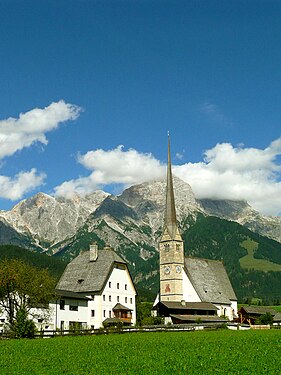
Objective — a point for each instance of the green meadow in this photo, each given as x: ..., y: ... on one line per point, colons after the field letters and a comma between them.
x: 250, y: 262
x: 197, y: 352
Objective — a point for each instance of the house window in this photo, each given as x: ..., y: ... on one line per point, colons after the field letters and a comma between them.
x: 92, y: 313
x: 40, y: 320
x: 103, y: 297
x: 117, y: 298
x: 126, y: 299
x: 93, y: 297
x: 117, y: 285
x: 109, y: 284
x: 62, y: 304
x: 73, y: 307
x: 177, y: 246
x: 131, y: 300
x: 125, y: 286
x: 62, y: 325
x: 104, y: 313
x: 109, y: 298
x: 110, y: 314
x: 167, y: 247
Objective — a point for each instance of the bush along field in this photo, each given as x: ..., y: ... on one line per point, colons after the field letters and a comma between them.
x: 198, y: 352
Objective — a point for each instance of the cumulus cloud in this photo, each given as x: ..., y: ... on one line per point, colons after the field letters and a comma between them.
x: 115, y: 166
x: 21, y: 132
x: 226, y: 172
x: 30, y: 127
x: 24, y: 182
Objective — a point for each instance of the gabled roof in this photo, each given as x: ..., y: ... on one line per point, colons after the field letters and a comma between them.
x: 259, y: 310
x: 202, y: 318
x: 189, y: 305
x: 119, y: 306
x: 210, y: 280
x: 277, y: 317
x: 83, y: 275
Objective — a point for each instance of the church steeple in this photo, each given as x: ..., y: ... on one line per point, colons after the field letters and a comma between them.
x: 171, y: 251
x: 170, y: 220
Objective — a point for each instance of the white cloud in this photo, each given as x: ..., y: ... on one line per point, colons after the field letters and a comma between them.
x: 113, y: 167
x: 238, y: 173
x: 18, y: 133
x: 226, y: 172
x: 24, y: 182
x: 30, y: 127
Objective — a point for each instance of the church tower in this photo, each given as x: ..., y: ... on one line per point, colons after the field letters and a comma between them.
x: 171, y: 250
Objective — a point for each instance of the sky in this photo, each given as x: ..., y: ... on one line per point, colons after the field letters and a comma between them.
x: 89, y: 90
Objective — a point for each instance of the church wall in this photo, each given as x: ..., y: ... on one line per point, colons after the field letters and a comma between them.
x: 224, y: 310
x: 189, y: 293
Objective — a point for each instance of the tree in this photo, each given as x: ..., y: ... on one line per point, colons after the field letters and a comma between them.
x: 23, y: 288
x: 266, y: 318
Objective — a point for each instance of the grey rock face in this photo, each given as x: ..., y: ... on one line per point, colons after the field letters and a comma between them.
x: 49, y: 220
x: 137, y: 215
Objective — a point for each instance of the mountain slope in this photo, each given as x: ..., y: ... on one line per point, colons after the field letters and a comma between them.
x: 55, y: 266
x: 132, y: 223
x: 214, y: 238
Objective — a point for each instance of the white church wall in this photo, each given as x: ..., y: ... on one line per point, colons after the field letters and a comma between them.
x: 189, y: 293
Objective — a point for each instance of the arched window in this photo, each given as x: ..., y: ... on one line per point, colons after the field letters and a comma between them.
x: 167, y: 247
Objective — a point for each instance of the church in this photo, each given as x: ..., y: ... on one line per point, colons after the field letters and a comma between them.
x: 191, y: 289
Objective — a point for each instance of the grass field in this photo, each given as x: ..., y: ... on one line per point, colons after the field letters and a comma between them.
x: 199, y: 352
x: 249, y: 262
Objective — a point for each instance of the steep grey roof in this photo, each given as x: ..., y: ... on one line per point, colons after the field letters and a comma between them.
x: 81, y: 275
x: 260, y: 310
x: 189, y: 305
x: 210, y: 280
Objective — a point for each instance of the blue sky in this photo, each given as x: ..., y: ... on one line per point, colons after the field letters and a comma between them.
x: 90, y: 76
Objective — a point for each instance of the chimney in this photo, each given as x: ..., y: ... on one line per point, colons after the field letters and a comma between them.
x: 93, y: 252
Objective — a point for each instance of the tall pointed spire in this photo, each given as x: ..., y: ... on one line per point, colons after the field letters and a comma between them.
x: 170, y: 214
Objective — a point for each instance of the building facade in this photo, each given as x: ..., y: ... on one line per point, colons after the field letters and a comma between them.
x: 103, y: 278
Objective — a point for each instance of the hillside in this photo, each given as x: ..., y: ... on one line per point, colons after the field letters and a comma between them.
x: 54, y: 265
x: 214, y: 238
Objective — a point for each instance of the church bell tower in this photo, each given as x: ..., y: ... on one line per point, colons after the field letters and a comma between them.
x: 171, y: 249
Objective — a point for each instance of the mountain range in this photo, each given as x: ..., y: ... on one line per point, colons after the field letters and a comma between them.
x: 132, y: 222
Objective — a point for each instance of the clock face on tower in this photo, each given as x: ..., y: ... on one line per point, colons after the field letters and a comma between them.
x: 178, y: 269
x: 167, y: 270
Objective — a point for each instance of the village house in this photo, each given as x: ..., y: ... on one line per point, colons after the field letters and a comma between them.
x: 95, y: 289
x: 251, y: 314
x: 191, y: 289
x: 101, y: 280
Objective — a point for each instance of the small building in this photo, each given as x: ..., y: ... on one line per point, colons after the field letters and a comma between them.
x: 250, y: 314
x: 188, y: 312
x: 102, y: 279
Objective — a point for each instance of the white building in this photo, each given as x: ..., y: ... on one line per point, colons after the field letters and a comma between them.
x: 101, y: 279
